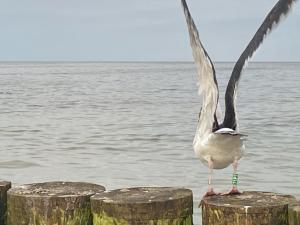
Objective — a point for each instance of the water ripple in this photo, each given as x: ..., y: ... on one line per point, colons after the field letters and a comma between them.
x: 132, y: 124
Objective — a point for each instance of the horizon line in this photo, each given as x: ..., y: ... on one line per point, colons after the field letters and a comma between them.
x: 130, y: 61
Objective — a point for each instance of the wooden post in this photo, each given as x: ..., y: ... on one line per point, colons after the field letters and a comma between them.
x: 143, y: 206
x: 4, y: 187
x: 61, y: 203
x: 249, y: 208
x: 294, y: 213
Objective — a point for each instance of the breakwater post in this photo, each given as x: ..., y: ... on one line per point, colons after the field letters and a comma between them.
x: 294, y: 213
x: 4, y: 187
x: 143, y: 206
x: 64, y: 203
x: 249, y: 208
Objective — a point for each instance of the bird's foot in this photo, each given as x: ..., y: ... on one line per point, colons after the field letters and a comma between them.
x: 209, y: 193
x: 234, y: 191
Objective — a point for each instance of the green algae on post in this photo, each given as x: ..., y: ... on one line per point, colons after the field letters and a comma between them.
x: 103, y: 219
x: 294, y: 213
x: 143, y: 206
x: 249, y: 208
x: 52, y: 203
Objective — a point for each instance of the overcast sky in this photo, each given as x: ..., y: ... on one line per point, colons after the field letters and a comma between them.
x: 143, y: 30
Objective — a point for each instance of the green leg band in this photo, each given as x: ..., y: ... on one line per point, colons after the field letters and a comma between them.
x: 235, y: 178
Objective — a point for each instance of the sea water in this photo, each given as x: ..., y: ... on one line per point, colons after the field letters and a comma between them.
x: 133, y: 124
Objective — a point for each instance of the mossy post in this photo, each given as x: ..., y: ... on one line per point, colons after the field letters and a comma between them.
x: 52, y: 203
x: 249, y: 208
x: 143, y: 206
x: 4, y: 187
x: 294, y: 213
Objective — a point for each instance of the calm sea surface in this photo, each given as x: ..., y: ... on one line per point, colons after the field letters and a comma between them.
x: 132, y: 124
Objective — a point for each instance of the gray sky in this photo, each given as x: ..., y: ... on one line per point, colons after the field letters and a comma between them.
x: 110, y: 30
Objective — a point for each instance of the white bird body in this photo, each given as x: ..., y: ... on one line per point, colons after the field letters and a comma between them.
x: 223, y: 147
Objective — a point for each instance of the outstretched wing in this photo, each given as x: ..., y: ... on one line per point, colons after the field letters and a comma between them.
x: 273, y: 18
x: 207, y: 81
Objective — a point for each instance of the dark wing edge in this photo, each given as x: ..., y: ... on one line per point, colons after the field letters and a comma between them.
x: 208, y: 84
x: 194, y: 36
x: 281, y: 9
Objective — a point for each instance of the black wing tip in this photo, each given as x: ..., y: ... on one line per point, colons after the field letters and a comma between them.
x: 184, y: 5
x: 273, y: 18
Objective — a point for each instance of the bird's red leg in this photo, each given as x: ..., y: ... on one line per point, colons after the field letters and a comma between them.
x: 234, y: 190
x: 210, y: 191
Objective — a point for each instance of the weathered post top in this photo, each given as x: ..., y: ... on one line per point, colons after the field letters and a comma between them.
x: 144, y: 205
x: 56, y: 189
x: 4, y: 187
x: 50, y: 203
x: 249, y: 208
x: 4, y: 184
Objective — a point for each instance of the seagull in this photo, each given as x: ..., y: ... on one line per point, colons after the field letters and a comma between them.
x: 216, y: 144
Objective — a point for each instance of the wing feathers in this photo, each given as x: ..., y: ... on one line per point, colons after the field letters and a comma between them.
x: 207, y: 81
x: 273, y: 18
